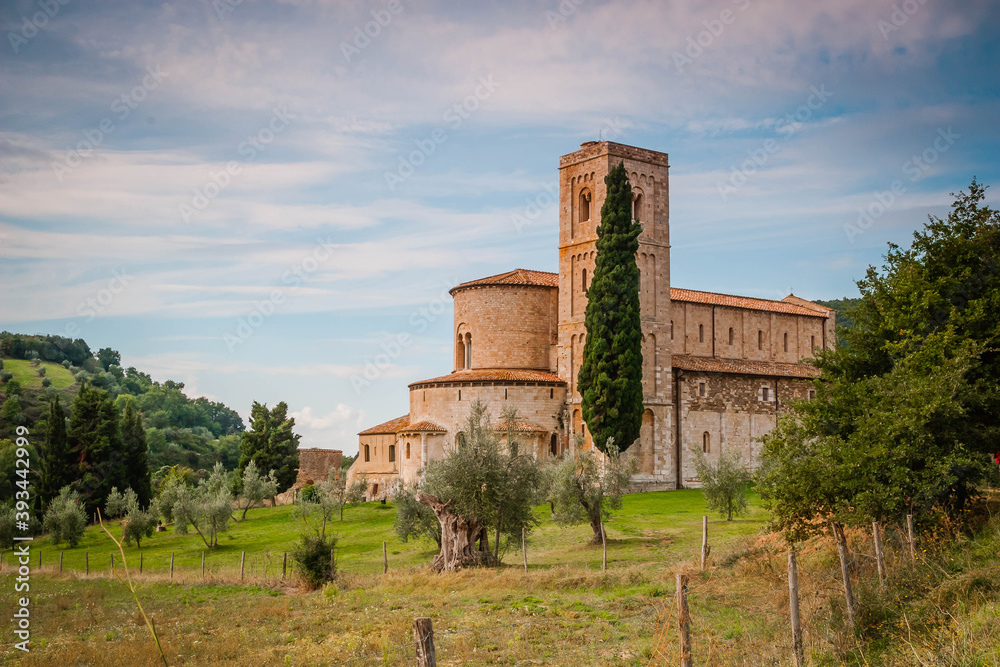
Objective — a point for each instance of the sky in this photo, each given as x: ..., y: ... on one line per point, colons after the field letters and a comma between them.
x: 268, y: 200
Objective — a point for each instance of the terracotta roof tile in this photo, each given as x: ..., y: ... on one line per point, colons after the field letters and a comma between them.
x: 520, y: 427
x: 493, y: 375
x: 391, y: 426
x: 753, y: 303
x: 515, y: 277
x: 744, y: 366
x: 423, y: 426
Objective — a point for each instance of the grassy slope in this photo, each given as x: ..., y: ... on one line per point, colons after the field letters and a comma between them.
x: 27, y: 375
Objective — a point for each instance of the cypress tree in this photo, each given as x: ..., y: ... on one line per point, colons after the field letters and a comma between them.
x: 271, y: 444
x: 136, y: 455
x: 610, y: 377
x: 96, y: 442
x: 55, y: 460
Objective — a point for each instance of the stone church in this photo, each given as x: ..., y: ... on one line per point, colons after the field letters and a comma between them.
x: 717, y: 368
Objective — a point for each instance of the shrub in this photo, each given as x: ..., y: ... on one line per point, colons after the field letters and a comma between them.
x: 46, y: 382
x: 66, y: 364
x: 309, y: 494
x: 724, y: 482
x: 312, y: 555
x: 6, y: 526
x: 41, y: 371
x: 5, y: 376
x: 65, y: 519
x: 13, y: 388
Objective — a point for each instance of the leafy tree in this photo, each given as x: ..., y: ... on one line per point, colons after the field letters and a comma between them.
x: 109, y: 357
x: 314, y: 559
x: 66, y: 364
x: 8, y: 468
x: 586, y: 489
x: 271, y: 442
x: 477, y: 488
x: 414, y: 519
x: 56, y: 467
x: 136, y: 454
x: 207, y: 507
x: 136, y: 522
x: 65, y: 519
x: 13, y: 388
x: 10, y: 412
x: 724, y: 482
x: 7, y: 525
x: 46, y: 382
x: 255, y: 488
x: 96, y: 442
x: 610, y: 377
x: 41, y: 371
x: 330, y: 496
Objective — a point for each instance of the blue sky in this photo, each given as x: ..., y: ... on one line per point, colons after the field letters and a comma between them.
x: 263, y: 201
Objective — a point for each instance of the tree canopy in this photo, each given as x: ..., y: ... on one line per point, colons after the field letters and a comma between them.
x: 272, y: 443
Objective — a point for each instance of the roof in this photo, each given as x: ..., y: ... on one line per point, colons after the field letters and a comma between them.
x: 752, y: 303
x: 519, y: 426
x: 391, y: 426
x: 493, y: 375
x: 521, y: 277
x: 423, y: 426
x: 744, y: 366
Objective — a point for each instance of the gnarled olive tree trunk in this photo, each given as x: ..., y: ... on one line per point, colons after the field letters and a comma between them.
x: 459, y: 538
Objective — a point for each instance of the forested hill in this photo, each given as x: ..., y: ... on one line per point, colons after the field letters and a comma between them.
x: 179, y: 430
x: 841, y: 306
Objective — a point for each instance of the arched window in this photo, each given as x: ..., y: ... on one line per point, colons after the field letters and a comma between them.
x: 460, y: 439
x: 374, y: 490
x: 407, y: 450
x: 368, y: 456
x: 706, y: 442
x: 584, y: 206
x: 812, y: 343
x: 459, y: 394
x: 732, y: 335
x: 468, y: 350
x: 637, y: 207
x: 671, y: 329
x: 760, y: 339
x: 460, y: 352
x: 553, y: 445
x: 701, y: 333
x: 584, y: 281
x: 392, y: 453
x: 784, y: 342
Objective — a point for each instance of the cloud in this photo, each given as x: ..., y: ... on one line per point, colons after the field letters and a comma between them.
x: 337, y: 429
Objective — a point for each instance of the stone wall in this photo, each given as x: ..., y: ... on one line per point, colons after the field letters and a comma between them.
x: 511, y: 326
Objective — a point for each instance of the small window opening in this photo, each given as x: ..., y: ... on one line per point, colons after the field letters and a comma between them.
x: 407, y: 450
x: 505, y: 394
x: 701, y: 388
x: 367, y: 454
x: 812, y: 342
x: 732, y: 335
x: 706, y: 442
x: 671, y: 329
x: 760, y: 339
x: 460, y: 439
x: 392, y: 453
x: 701, y: 333
x: 583, y: 282
x: 459, y: 394
x: 785, y: 342
x: 584, y: 206
x: 553, y: 445
x: 552, y: 393
x: 812, y: 394
x: 374, y: 490
x: 765, y: 394
x: 637, y: 208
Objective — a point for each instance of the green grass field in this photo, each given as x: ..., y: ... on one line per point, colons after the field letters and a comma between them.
x: 28, y: 377
x: 940, y: 610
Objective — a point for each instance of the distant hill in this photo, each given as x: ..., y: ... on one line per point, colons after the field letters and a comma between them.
x: 179, y: 430
x: 842, y: 308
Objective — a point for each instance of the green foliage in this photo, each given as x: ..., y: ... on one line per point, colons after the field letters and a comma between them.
x: 136, y: 522
x: 908, y: 412
x: 272, y: 443
x: 309, y: 493
x: 486, y: 482
x: 56, y: 468
x: 46, y: 382
x: 108, y: 357
x: 724, y: 482
x: 206, y: 507
x: 254, y: 488
x: 48, y: 348
x: 8, y: 467
x: 587, y: 489
x: 5, y: 376
x: 13, y: 388
x: 10, y: 412
x: 41, y: 371
x: 313, y: 557
x: 96, y: 442
x: 610, y: 378
x: 7, y: 525
x: 136, y: 454
x: 414, y: 519
x: 65, y: 520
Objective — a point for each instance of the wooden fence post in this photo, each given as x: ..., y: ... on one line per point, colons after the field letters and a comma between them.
x: 684, y: 621
x: 202, y: 563
x: 284, y: 563
x: 879, y: 556
x: 86, y: 562
x: 171, y: 566
x: 140, y: 562
x: 604, y: 543
x: 704, y: 542
x: 1, y: 561
x: 333, y: 565
x: 243, y: 558
x: 845, y: 571
x: 793, y: 609
x: 385, y: 560
x: 423, y: 633
x: 112, y: 563
x: 909, y: 531
x: 60, y: 561
x: 524, y: 550
x: 39, y: 560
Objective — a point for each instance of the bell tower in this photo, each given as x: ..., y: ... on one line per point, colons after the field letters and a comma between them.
x: 581, y: 196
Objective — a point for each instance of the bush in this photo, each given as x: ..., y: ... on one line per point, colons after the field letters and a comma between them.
x: 312, y: 555
x: 5, y: 376
x: 13, y: 388
x: 66, y: 364
x: 6, y: 526
x: 41, y: 371
x: 46, y: 382
x: 65, y: 519
x: 309, y: 494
